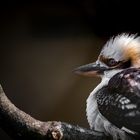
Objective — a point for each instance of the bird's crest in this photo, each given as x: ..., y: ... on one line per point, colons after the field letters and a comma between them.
x: 123, y: 47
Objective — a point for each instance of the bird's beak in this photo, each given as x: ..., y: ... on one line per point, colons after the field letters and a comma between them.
x: 90, y: 70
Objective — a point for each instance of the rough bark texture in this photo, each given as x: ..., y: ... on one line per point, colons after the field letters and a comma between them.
x: 19, y: 125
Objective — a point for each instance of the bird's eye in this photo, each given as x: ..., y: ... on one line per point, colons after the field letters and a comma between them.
x: 111, y: 62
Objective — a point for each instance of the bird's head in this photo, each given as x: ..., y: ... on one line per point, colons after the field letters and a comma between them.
x: 120, y: 52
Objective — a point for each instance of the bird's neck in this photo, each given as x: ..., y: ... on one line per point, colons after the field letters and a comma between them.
x: 105, y: 79
x: 109, y: 74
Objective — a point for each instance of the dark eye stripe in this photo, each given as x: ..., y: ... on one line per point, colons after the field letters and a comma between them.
x: 109, y: 61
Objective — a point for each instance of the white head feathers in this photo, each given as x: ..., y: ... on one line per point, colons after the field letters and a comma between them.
x: 121, y: 47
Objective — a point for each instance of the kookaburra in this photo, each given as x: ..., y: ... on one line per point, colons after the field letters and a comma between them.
x: 113, y: 107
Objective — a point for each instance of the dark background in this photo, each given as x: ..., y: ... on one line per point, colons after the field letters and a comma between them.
x: 41, y: 42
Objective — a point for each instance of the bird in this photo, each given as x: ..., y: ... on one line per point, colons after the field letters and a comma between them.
x: 113, y: 107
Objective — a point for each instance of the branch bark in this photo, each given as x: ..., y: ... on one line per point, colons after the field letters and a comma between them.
x: 19, y: 125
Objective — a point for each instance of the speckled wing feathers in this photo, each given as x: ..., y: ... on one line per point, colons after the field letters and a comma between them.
x: 119, y: 102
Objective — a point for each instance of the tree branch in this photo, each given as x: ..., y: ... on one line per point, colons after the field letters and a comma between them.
x: 19, y: 125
